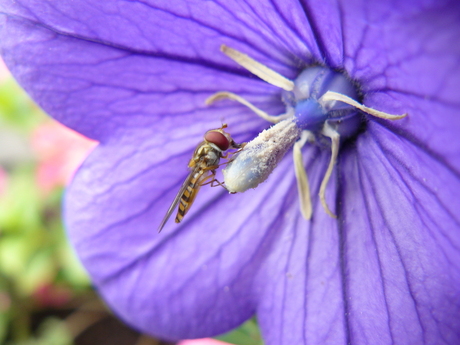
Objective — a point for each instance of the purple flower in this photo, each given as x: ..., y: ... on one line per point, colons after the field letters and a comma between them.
x: 135, y: 74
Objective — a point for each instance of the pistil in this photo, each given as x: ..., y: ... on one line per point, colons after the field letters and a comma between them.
x: 319, y: 103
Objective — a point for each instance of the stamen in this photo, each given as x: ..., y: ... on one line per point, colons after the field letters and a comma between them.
x: 301, y: 175
x: 307, y: 115
x: 229, y: 95
x: 263, y: 72
x: 255, y: 163
x: 334, y: 96
x: 335, y: 141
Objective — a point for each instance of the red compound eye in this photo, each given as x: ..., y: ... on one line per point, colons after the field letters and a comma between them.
x: 217, y: 139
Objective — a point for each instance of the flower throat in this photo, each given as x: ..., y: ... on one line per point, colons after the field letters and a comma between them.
x: 320, y: 104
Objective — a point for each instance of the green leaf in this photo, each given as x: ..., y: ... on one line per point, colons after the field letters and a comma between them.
x: 16, y: 107
x: 4, y: 321
x: 247, y: 334
x: 51, y: 332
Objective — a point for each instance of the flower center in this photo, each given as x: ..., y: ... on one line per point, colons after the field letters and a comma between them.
x: 320, y: 104
x: 311, y: 114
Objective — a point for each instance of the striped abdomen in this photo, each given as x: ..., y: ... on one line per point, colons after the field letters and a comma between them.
x: 188, y: 196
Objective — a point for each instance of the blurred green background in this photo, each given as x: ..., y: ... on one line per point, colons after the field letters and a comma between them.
x: 43, y: 288
x: 45, y: 295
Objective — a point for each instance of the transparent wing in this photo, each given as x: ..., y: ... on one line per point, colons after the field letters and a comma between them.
x: 197, y: 183
x: 177, y: 198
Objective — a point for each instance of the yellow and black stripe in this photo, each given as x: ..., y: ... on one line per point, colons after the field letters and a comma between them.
x: 189, y: 194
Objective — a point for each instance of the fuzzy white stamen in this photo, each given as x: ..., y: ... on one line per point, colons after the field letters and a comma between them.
x: 301, y: 175
x: 262, y: 71
x: 229, y: 95
x: 260, y: 156
x: 329, y: 132
x: 334, y: 96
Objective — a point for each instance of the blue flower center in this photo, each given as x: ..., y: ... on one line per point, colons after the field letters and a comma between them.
x: 311, y: 113
x: 321, y: 104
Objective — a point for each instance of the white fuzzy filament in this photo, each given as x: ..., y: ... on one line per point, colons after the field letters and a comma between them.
x: 241, y: 174
x: 262, y: 71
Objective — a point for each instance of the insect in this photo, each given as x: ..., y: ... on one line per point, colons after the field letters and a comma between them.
x: 203, y: 165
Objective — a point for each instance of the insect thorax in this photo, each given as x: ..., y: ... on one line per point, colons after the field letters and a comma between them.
x: 205, y: 155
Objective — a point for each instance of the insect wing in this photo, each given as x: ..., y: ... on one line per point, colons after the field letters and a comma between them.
x: 177, y: 198
x: 189, y: 195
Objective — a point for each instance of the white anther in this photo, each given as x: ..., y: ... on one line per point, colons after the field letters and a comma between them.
x: 258, y: 159
x: 301, y: 175
x: 335, y: 96
x: 260, y: 156
x: 329, y: 132
x: 262, y: 71
x: 229, y: 95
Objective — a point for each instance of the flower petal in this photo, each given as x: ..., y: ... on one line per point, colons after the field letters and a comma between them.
x: 137, y: 91
x: 101, y: 91
x: 176, y: 29
x: 388, y: 271
x: 406, y: 58
x: 98, y: 67
x: 193, y: 279
x: 301, y: 289
x: 401, y: 253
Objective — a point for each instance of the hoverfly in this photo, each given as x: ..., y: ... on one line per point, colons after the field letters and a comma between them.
x: 203, y: 165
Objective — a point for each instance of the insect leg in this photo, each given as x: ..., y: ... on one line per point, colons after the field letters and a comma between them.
x: 203, y: 183
x: 225, y: 156
x: 214, y: 182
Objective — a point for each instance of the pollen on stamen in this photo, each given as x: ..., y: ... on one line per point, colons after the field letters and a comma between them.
x: 260, y: 157
x: 320, y: 101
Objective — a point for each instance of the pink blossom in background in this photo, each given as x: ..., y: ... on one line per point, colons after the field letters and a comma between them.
x: 60, y: 152
x: 52, y: 295
x: 135, y: 76
x: 3, y: 181
x: 4, y: 73
x: 206, y: 341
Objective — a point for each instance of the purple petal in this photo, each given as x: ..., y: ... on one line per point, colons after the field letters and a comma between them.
x: 99, y: 67
x: 302, y: 297
x: 101, y: 91
x: 401, y: 243
x: 386, y: 271
x: 407, y: 61
x: 193, y: 279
